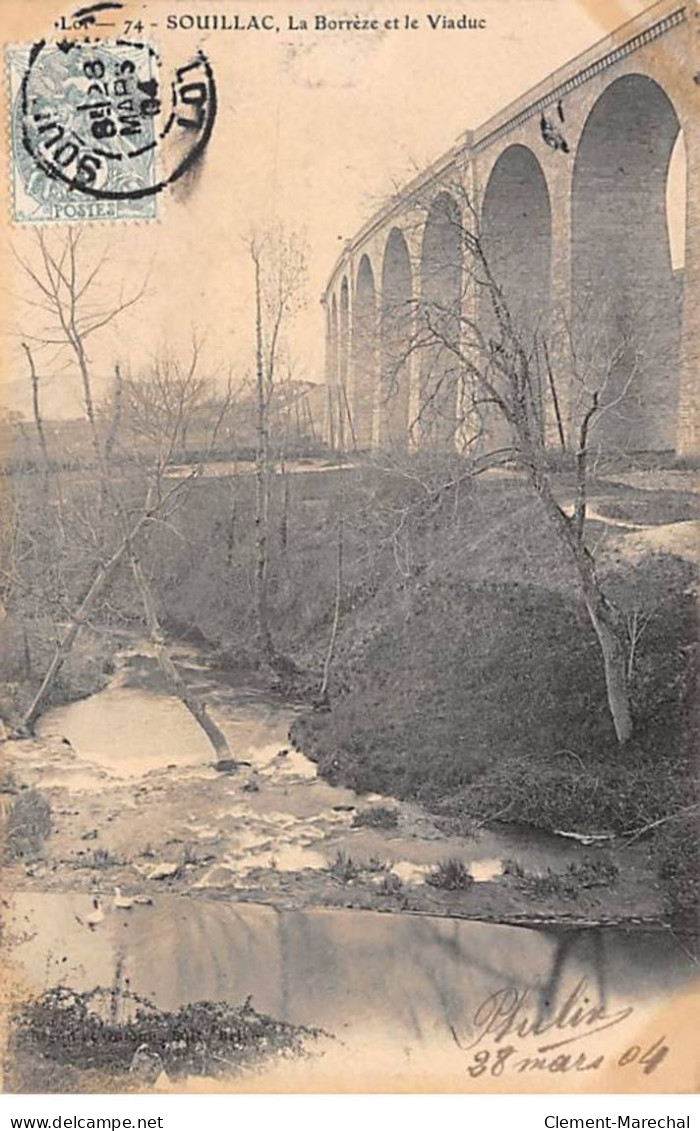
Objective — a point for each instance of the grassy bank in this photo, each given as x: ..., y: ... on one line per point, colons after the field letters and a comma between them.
x: 486, y: 701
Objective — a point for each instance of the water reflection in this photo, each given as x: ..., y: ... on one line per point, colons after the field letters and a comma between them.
x: 400, y: 978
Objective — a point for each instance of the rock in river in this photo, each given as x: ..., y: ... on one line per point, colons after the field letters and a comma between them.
x: 163, y: 871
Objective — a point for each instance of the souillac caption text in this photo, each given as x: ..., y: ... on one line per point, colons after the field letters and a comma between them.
x: 236, y: 21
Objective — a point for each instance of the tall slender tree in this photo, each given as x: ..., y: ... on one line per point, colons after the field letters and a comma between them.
x: 279, y: 273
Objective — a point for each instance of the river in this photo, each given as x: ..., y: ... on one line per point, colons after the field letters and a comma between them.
x: 399, y: 991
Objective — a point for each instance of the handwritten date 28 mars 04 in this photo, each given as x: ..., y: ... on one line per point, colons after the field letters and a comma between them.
x: 561, y: 1032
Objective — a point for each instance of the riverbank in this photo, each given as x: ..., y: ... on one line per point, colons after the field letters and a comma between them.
x: 465, y: 699
x: 136, y: 804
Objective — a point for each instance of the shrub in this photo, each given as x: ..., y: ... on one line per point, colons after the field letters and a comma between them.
x: 100, y: 858
x: 28, y: 825
x: 203, y: 1038
x: 344, y: 868
x: 546, y: 884
x: 450, y: 875
x: 378, y: 817
x: 594, y: 872
x: 391, y: 884
x: 590, y: 872
x: 374, y: 865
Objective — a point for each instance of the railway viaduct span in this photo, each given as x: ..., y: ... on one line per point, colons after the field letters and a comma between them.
x: 569, y: 188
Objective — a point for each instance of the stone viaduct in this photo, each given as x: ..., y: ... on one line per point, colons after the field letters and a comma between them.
x: 569, y: 188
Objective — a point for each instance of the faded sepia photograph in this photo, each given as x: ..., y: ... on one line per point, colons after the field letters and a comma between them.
x: 349, y: 543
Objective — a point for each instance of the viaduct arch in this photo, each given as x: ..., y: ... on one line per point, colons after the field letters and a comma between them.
x: 585, y: 225
x: 396, y: 329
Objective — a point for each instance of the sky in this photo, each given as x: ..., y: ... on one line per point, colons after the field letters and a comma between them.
x: 314, y: 130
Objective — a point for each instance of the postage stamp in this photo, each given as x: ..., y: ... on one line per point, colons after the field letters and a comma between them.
x: 96, y: 133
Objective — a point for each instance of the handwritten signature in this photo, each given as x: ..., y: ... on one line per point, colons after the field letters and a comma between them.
x: 509, y: 1015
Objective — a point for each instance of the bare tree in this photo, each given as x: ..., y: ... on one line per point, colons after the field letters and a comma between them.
x: 66, y: 291
x: 279, y: 262
x: 159, y: 410
x: 36, y: 409
x: 163, y: 405
x: 475, y: 341
x: 335, y: 623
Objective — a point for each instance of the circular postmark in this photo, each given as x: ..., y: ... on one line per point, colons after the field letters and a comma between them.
x: 100, y: 119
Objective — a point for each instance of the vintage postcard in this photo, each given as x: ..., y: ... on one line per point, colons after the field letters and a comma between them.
x: 350, y: 450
